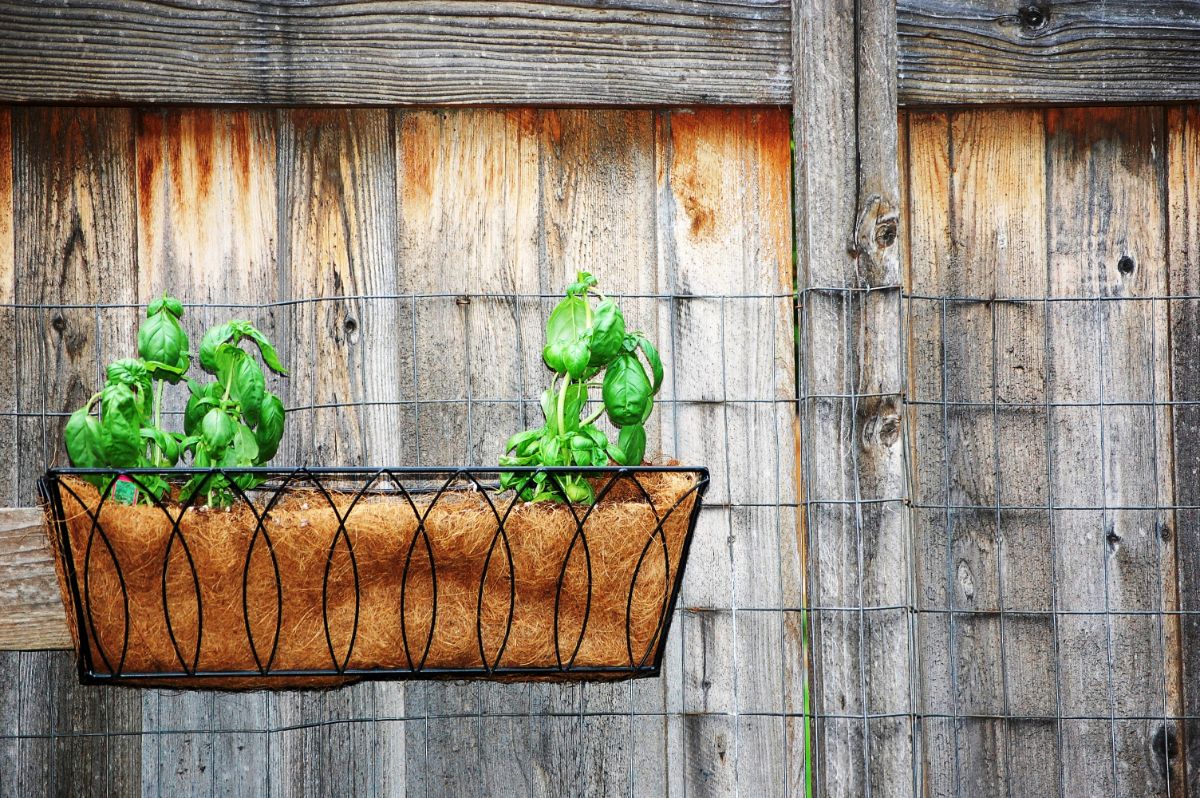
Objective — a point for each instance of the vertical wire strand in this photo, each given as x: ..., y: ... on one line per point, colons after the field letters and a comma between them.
x: 1102, y: 341
x: 733, y: 598
x: 997, y: 480
x: 949, y: 529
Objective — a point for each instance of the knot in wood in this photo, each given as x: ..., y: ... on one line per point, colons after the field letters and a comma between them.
x: 879, y: 419
x: 1033, y: 17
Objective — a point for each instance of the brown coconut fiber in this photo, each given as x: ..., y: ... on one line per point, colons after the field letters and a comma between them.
x: 306, y: 541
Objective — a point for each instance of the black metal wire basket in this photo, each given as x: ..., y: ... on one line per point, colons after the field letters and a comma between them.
x: 289, y: 577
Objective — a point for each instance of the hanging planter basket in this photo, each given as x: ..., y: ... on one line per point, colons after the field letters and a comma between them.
x: 320, y: 577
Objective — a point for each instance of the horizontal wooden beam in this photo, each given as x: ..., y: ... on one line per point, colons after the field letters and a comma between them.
x: 299, y: 52
x: 32, y: 615
x: 1043, y: 52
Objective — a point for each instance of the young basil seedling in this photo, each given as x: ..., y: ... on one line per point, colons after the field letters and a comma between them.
x: 587, y: 346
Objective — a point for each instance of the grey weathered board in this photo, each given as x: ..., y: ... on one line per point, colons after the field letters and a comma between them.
x: 355, y: 211
x: 1048, y: 52
x: 628, y: 53
x: 853, y: 475
x: 297, y: 52
x: 1058, y: 604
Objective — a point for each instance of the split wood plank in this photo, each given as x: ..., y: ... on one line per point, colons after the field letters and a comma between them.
x: 206, y: 204
x: 1087, y: 51
x: 74, y: 237
x: 337, y: 244
x: 33, y: 613
x: 847, y: 240
x: 8, y: 322
x: 344, y: 53
x: 1183, y: 192
x: 1105, y: 176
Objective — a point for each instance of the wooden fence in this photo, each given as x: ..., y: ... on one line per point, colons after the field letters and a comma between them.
x: 939, y: 360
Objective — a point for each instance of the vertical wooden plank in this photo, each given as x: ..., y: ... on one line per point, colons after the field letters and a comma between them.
x: 73, y: 218
x: 206, y: 205
x: 1183, y: 192
x: 1105, y: 172
x: 8, y: 321
x: 469, y: 225
x: 10, y: 661
x: 724, y: 247
x: 337, y: 184
x: 847, y: 198
x: 977, y: 233
x: 598, y: 214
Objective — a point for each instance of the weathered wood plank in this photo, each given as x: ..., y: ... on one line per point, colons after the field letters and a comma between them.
x: 631, y: 52
x: 1085, y: 51
x: 8, y: 321
x: 729, y: 347
x: 1106, y: 239
x: 468, y: 197
x: 33, y: 615
x: 73, y: 215
x: 847, y: 201
x: 206, y: 204
x: 1183, y: 233
x: 977, y: 229
x: 337, y: 182
x: 598, y: 192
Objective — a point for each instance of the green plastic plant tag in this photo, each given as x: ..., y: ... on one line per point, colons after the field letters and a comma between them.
x: 125, y: 491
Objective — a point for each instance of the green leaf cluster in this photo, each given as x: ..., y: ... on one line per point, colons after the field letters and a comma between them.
x: 587, y: 347
x: 231, y: 421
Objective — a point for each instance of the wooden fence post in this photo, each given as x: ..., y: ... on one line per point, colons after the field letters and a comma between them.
x: 848, y: 246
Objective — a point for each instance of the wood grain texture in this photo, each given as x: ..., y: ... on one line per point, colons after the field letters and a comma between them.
x: 977, y: 229
x: 469, y: 196
x: 1105, y: 172
x: 33, y: 613
x: 337, y: 189
x: 724, y: 175
x: 8, y: 322
x: 1081, y: 51
x: 294, y: 52
x: 73, y: 213
x: 848, y: 249
x: 1183, y: 191
x: 206, y: 226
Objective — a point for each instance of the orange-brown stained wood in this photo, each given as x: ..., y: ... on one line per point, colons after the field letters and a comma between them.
x: 725, y: 179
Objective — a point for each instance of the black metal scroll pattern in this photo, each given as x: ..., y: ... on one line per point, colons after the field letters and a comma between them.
x: 405, y: 483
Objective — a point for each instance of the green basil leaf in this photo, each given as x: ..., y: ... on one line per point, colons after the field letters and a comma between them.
x: 166, y: 443
x: 573, y: 403
x: 632, y: 442
x: 211, y: 342
x: 608, y: 334
x: 163, y: 344
x: 578, y: 491
x: 575, y: 358
x: 82, y: 437
x: 247, y: 386
x: 656, y: 366
x: 268, y: 353
x: 583, y: 281
x: 568, y: 321
x: 549, y: 398
x: 168, y: 303
x: 218, y: 430
x: 626, y: 391
x: 154, y: 485
x: 269, y: 431
x: 596, y: 434
x: 120, y: 423
x: 133, y: 374
x: 200, y: 402
x: 553, y: 356
x: 243, y: 449
x: 522, y: 439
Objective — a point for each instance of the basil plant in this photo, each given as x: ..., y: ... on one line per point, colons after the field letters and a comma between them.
x: 587, y: 348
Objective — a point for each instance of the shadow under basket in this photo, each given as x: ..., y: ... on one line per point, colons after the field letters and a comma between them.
x: 321, y: 577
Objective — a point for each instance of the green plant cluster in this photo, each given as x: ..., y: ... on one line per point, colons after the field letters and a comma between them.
x: 587, y: 348
x: 231, y: 421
